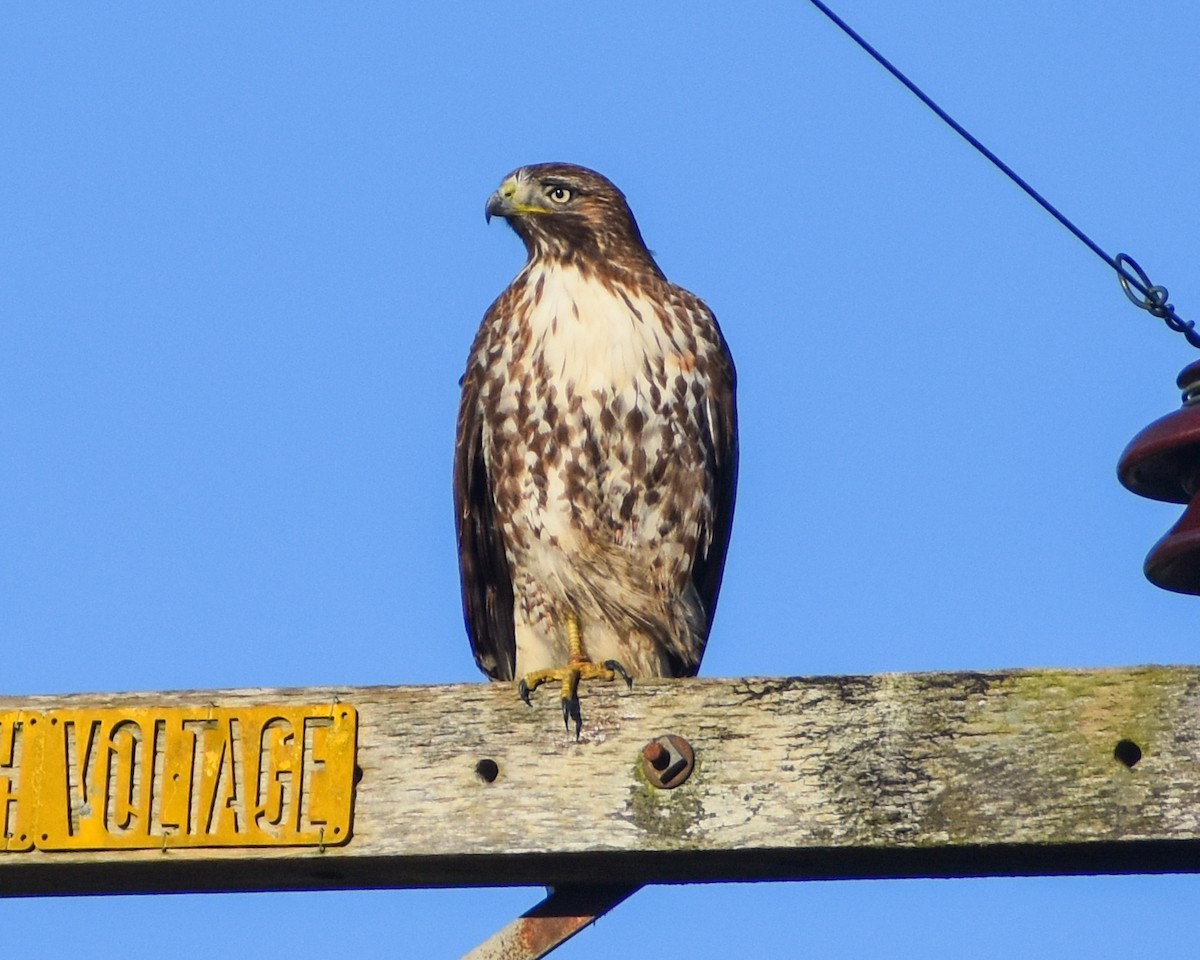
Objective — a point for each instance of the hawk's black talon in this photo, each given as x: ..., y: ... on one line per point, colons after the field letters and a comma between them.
x: 571, y: 711
x: 523, y: 692
x: 615, y: 667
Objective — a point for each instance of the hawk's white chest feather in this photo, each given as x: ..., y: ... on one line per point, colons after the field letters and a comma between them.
x: 592, y: 336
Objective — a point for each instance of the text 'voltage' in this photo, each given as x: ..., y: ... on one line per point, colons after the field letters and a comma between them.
x: 115, y: 778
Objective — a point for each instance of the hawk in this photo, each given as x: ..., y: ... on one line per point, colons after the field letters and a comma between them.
x: 596, y: 455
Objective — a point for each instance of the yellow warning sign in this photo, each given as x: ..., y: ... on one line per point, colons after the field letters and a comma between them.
x: 146, y: 777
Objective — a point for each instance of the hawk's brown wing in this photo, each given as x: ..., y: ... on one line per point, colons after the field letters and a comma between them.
x: 487, y: 593
x: 721, y: 395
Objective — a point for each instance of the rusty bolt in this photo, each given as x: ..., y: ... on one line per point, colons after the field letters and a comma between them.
x: 656, y: 755
x: 667, y: 761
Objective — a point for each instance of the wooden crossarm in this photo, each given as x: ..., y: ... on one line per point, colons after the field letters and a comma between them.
x: 915, y: 775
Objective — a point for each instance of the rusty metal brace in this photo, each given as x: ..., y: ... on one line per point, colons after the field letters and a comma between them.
x: 554, y: 921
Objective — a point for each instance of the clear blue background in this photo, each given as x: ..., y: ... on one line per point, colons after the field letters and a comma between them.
x: 243, y: 255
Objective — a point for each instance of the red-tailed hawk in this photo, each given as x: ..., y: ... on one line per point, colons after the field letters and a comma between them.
x: 596, y: 456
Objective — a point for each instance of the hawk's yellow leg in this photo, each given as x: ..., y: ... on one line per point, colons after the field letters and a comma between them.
x: 578, y: 668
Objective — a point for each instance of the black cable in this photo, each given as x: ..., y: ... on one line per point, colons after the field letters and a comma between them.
x: 1154, y: 297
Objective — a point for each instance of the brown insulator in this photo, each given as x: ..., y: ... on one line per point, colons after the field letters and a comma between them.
x: 1163, y: 463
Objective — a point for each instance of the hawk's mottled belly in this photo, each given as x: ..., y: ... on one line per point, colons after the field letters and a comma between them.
x: 596, y: 436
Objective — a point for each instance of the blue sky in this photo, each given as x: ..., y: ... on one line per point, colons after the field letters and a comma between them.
x: 242, y: 261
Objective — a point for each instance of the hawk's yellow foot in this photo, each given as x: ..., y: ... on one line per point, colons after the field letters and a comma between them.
x: 570, y: 676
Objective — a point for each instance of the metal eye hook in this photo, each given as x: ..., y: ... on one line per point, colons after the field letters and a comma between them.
x: 1151, y: 297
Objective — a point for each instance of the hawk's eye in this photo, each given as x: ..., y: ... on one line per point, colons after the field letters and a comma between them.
x: 558, y: 194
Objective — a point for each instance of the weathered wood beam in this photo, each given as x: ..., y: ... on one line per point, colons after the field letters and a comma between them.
x: 933, y: 775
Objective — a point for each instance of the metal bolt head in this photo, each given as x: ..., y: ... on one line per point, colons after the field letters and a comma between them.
x: 667, y: 761
x: 656, y: 755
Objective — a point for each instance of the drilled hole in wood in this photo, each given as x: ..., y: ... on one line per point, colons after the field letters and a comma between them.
x: 487, y: 770
x: 1127, y: 752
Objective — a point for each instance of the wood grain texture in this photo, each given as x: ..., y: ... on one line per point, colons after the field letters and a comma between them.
x: 935, y: 774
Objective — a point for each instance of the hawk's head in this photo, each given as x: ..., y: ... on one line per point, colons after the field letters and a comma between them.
x: 566, y: 211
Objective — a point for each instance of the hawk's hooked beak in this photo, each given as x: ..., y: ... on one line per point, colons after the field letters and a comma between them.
x: 515, y: 198
x: 500, y: 203
x: 497, y: 206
